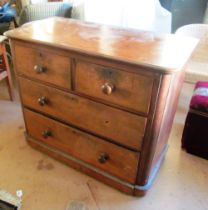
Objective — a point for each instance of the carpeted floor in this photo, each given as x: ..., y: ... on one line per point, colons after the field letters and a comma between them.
x: 182, y: 182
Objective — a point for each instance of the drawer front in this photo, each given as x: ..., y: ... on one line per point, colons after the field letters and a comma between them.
x: 122, y: 127
x: 129, y: 90
x: 44, y: 65
x: 90, y: 149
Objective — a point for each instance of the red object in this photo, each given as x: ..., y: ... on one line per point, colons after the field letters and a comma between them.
x: 195, y: 133
x: 199, y: 99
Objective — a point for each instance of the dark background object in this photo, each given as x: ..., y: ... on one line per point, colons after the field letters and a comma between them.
x: 195, y: 134
x: 7, y: 206
x: 185, y: 12
x: 166, y: 4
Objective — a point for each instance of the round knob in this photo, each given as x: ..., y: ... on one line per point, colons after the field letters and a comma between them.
x: 108, y: 88
x: 103, y: 157
x: 46, y: 133
x: 43, y: 101
x: 39, y: 69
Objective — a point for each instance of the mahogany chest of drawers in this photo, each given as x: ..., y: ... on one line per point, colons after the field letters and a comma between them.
x: 98, y: 98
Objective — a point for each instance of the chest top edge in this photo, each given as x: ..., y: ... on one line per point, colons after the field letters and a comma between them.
x: 164, y: 53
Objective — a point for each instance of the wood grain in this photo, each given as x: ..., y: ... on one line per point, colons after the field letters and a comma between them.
x: 130, y: 90
x: 91, y: 171
x: 140, y: 73
x: 168, y: 114
x: 122, y: 127
x: 57, y: 68
x: 83, y: 146
x: 161, y: 52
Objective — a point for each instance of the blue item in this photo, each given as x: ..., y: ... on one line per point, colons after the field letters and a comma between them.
x: 7, y: 13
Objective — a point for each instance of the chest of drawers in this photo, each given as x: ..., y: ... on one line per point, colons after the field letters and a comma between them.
x: 98, y: 98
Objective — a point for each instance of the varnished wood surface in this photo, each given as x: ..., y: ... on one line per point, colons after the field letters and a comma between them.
x: 120, y: 126
x: 164, y: 53
x: 83, y: 146
x: 170, y: 107
x: 92, y: 171
x: 56, y: 66
x: 128, y: 89
x: 150, y: 137
x: 42, y: 178
x: 156, y: 140
x: 142, y: 71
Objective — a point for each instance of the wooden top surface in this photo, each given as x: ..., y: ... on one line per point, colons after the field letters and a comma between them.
x: 167, y: 53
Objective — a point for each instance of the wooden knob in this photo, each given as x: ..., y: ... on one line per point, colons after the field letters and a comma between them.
x: 42, y: 101
x: 103, y: 157
x: 108, y: 88
x: 39, y: 69
x: 46, y: 133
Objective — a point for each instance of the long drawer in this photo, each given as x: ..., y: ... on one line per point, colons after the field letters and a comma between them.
x: 129, y: 90
x: 117, y: 125
x: 106, y: 156
x: 43, y: 64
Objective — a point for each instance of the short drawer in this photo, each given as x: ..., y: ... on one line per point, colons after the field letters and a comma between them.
x: 88, y: 148
x: 117, y: 125
x: 122, y: 88
x: 43, y: 64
